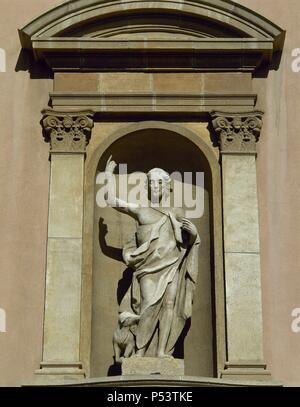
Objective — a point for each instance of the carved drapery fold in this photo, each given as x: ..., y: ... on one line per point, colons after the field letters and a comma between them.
x: 67, y: 132
x: 238, y: 132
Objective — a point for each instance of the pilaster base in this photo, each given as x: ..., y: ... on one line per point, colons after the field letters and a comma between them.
x: 246, y: 371
x: 51, y: 372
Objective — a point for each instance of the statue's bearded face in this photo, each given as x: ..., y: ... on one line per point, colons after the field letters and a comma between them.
x: 158, y: 181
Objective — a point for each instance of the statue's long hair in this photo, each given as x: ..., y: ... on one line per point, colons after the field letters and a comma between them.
x: 164, y: 175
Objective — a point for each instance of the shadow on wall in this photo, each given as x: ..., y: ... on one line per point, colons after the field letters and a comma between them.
x: 37, y: 70
x: 123, y: 284
x: 115, y: 254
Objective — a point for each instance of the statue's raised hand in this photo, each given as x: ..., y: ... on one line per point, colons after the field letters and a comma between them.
x: 110, y: 165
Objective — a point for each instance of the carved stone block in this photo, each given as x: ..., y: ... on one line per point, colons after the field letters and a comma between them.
x: 237, y: 133
x: 67, y: 132
x: 152, y: 366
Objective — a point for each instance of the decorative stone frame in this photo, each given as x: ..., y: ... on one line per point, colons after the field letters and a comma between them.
x: 63, y: 38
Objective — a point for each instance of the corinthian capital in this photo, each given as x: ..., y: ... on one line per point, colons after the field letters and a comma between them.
x: 67, y: 132
x: 237, y: 132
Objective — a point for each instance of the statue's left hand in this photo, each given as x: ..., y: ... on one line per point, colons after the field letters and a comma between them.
x: 130, y: 261
x: 189, y: 227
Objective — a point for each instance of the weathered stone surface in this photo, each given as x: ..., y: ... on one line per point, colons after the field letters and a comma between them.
x: 66, y: 196
x: 241, y: 229
x: 140, y: 82
x: 243, y: 306
x: 62, y: 307
x: 152, y: 366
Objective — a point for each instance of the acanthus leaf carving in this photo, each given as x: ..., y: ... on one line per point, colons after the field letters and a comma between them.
x: 237, y: 132
x: 67, y: 132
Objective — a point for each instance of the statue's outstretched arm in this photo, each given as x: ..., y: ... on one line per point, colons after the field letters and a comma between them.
x: 110, y: 197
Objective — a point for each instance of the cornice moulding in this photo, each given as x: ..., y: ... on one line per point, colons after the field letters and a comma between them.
x: 155, y: 102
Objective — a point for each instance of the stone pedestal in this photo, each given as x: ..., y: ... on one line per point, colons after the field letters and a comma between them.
x: 153, y: 366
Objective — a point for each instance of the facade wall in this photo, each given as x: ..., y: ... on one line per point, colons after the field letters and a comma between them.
x: 24, y: 181
x: 24, y: 184
x: 279, y: 196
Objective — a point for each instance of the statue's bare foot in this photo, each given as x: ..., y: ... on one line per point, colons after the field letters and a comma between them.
x: 139, y: 354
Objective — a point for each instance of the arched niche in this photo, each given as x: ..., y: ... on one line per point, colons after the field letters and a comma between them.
x: 144, y: 146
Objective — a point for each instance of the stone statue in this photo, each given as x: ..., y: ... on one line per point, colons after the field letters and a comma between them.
x: 163, y: 256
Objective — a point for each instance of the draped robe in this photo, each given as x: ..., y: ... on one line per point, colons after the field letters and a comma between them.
x: 159, y: 251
